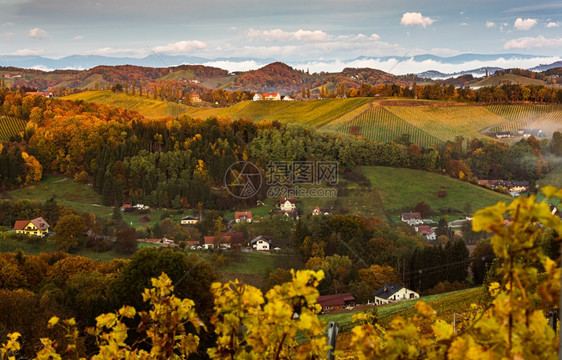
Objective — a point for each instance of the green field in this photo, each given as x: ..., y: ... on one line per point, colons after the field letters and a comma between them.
x: 395, y: 190
x: 553, y: 178
x: 447, y: 122
x: 147, y: 107
x: 80, y: 197
x: 377, y: 123
x: 10, y: 126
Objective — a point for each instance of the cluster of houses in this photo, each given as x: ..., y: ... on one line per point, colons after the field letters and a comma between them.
x: 12, y: 76
x: 515, y: 188
x: 387, y: 294
x: 414, y: 219
x: 273, y: 96
x: 525, y: 133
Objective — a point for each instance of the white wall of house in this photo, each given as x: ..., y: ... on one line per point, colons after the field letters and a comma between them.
x: 261, y: 245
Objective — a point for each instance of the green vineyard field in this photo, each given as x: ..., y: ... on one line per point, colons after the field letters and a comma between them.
x: 448, y: 122
x: 379, y: 124
x: 10, y: 126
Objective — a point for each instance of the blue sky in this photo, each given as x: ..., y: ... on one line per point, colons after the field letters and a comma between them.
x: 283, y: 30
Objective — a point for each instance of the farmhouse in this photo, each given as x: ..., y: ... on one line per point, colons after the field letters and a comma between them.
x: 272, y: 96
x: 287, y: 98
x: 35, y: 227
x: 257, y: 97
x: 189, y: 220
x: 318, y: 211
x: 333, y: 302
x: 288, y: 204
x: 426, y: 232
x: 195, y: 98
x: 412, y: 218
x: 243, y: 216
x: 502, y: 134
x: 392, y: 293
x: 261, y: 243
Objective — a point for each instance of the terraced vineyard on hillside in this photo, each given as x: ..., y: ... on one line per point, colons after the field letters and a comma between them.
x: 547, y: 118
x: 448, y: 122
x: 10, y: 126
x: 426, y: 122
x: 377, y: 123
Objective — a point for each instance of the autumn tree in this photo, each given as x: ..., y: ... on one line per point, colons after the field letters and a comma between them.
x: 126, y: 241
x: 69, y: 232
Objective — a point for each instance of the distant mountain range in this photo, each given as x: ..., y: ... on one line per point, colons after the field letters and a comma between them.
x: 487, y: 61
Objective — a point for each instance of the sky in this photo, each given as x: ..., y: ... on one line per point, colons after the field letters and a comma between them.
x: 318, y: 31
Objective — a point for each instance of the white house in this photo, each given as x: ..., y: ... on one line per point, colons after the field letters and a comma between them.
x: 412, y: 218
x: 391, y: 293
x: 288, y: 204
x: 272, y: 96
x: 261, y: 243
x: 258, y: 97
x: 318, y: 211
x: 287, y: 98
x: 243, y: 216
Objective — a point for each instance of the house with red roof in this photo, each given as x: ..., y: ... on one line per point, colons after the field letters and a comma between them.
x: 243, y: 216
x: 35, y: 227
x: 275, y: 96
x: 338, y: 301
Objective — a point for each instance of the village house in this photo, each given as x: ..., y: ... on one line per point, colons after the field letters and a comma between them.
x: 243, y: 216
x: 257, y: 97
x: 195, y: 98
x: 261, y: 243
x: 318, y: 211
x: 35, y: 227
x: 126, y: 205
x: 334, y: 302
x: 287, y: 98
x: 426, y: 231
x: 392, y: 293
x: 412, y: 218
x: 288, y: 204
x: 272, y: 96
x: 217, y: 242
x: 192, y: 244
x: 503, y: 134
x: 189, y: 220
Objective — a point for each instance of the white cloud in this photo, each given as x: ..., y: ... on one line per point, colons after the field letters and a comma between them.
x: 180, y: 47
x: 416, y: 18
x: 37, y: 33
x: 27, y: 52
x: 281, y: 35
x: 8, y: 35
x: 552, y: 24
x: 524, y: 24
x: 78, y: 37
x: 375, y: 37
x: 490, y: 24
x: 532, y: 42
x: 235, y: 66
x: 463, y: 24
x: 8, y: 24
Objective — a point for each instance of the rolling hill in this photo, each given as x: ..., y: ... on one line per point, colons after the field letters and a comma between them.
x: 427, y: 122
x: 393, y: 191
